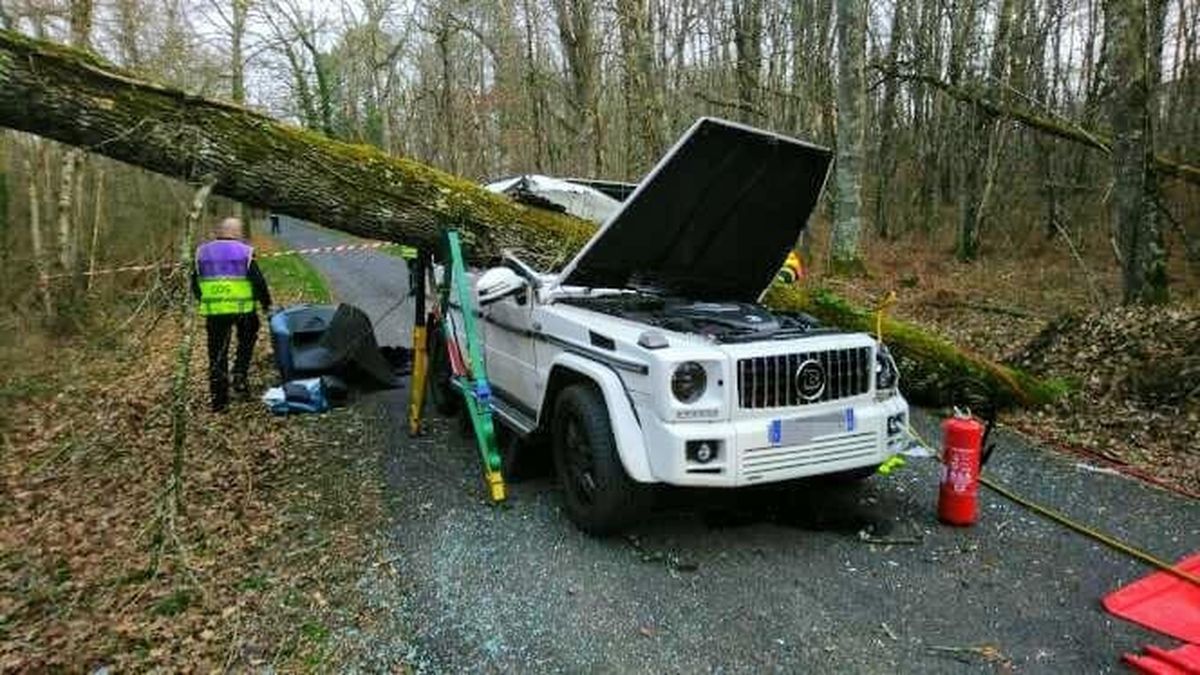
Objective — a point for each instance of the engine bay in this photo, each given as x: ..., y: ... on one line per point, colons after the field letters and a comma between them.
x: 727, y: 322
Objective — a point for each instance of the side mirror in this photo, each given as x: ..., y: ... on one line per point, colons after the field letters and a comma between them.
x: 498, y: 283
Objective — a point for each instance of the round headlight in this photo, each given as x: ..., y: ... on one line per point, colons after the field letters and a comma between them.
x: 688, y: 382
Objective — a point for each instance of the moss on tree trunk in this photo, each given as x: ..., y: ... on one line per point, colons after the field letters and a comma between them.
x: 73, y: 97
x: 70, y: 96
x: 934, y: 371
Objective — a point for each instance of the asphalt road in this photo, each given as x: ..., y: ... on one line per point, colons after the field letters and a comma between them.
x: 783, y: 579
x: 375, y: 282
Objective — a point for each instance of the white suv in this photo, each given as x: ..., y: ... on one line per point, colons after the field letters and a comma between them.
x: 648, y: 360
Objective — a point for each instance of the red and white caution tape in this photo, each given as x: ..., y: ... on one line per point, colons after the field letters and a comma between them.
x: 340, y: 248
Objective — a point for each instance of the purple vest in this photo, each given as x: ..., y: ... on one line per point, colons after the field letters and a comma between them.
x: 223, y: 258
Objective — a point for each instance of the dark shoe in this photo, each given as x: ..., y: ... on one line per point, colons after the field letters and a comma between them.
x: 218, y: 408
x: 240, y: 386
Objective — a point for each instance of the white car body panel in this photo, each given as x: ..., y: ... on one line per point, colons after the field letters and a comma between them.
x: 525, y: 343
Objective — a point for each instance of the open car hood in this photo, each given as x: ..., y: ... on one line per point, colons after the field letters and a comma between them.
x: 714, y: 220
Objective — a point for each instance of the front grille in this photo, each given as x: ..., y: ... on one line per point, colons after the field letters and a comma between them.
x: 780, y: 463
x: 770, y: 381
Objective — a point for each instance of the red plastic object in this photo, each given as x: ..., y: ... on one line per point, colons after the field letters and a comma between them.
x: 1162, y: 602
x: 1182, y: 661
x: 958, y: 498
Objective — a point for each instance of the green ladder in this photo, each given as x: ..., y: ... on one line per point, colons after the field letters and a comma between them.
x: 468, y: 370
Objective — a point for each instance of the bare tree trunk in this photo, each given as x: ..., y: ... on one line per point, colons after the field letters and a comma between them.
x: 81, y: 24
x: 643, y: 102
x: 533, y: 87
x: 577, y: 33
x: 747, y: 41
x: 448, y: 148
x: 77, y: 207
x: 851, y: 19
x: 97, y: 220
x: 80, y: 37
x: 887, y: 117
x: 235, y: 17
x: 303, y: 30
x: 5, y: 223
x: 128, y: 18
x: 1133, y: 59
x: 34, y: 158
x: 65, y: 209
x: 304, y: 97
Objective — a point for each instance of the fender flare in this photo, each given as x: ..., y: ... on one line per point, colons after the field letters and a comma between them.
x: 626, y: 428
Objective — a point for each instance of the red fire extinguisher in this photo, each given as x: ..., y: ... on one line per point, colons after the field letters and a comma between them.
x: 962, y: 448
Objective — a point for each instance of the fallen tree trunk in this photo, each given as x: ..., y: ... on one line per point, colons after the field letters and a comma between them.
x: 73, y: 97
x: 933, y: 370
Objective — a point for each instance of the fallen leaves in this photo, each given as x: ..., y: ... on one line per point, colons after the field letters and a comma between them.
x: 95, y: 571
x: 1137, y: 400
x: 1135, y: 371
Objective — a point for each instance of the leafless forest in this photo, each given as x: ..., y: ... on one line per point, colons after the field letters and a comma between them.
x: 979, y: 124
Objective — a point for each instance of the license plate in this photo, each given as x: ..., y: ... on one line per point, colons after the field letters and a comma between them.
x: 801, y: 430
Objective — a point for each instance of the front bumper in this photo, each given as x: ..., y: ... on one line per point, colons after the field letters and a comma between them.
x: 783, y: 445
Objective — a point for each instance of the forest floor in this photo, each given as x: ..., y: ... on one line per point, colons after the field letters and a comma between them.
x: 255, y: 568
x: 1135, y: 371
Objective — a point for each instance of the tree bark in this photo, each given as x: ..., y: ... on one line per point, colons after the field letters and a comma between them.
x: 128, y: 17
x: 97, y: 221
x: 643, y: 102
x: 983, y: 139
x: 239, y: 9
x: 887, y: 119
x: 34, y: 158
x: 72, y: 97
x: 576, y: 21
x: 5, y: 242
x: 81, y: 23
x: 747, y: 41
x: 448, y: 127
x: 66, y: 209
x: 537, y: 102
x: 1133, y: 58
x: 851, y: 109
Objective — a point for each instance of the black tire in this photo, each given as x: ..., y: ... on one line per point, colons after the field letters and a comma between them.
x: 446, y: 399
x: 600, y: 497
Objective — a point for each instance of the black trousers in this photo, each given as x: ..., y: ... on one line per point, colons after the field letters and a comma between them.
x: 220, y: 334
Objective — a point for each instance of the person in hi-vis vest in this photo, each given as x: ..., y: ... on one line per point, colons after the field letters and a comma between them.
x: 228, y: 285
